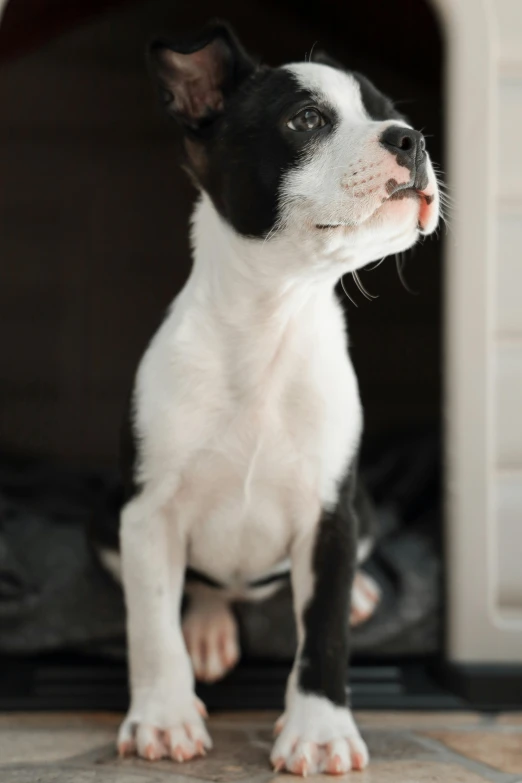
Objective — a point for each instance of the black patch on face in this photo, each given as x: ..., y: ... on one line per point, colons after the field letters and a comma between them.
x: 324, y: 661
x: 251, y: 149
x: 234, y: 117
x: 378, y: 106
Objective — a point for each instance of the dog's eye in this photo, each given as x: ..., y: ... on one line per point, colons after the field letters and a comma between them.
x: 307, y: 120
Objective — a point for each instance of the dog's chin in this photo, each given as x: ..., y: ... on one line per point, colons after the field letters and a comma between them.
x: 406, y: 207
x: 393, y: 227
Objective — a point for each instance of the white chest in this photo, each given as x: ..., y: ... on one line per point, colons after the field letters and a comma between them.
x: 256, y: 436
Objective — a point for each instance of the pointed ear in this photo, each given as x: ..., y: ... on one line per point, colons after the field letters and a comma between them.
x: 197, y: 75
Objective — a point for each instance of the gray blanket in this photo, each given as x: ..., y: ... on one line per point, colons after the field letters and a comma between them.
x: 54, y: 595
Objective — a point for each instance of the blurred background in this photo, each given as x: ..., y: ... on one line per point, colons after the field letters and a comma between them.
x: 94, y: 245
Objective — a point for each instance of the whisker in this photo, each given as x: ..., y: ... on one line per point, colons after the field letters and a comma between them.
x: 399, y: 262
x: 346, y: 292
x: 311, y: 52
x: 361, y: 288
x: 375, y: 264
x: 271, y: 232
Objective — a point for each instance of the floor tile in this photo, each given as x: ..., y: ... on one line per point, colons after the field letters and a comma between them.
x: 397, y: 772
x: 240, y: 753
x: 411, y: 719
x: 59, y: 720
x: 266, y: 717
x: 46, y: 745
x: 79, y: 748
x: 60, y: 774
x: 395, y: 745
x: 500, y: 750
x: 510, y: 719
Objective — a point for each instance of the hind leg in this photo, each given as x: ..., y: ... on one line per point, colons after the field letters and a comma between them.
x: 211, y: 634
x: 366, y: 596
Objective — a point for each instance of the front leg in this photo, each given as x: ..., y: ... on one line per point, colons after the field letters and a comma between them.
x: 317, y: 731
x: 164, y: 718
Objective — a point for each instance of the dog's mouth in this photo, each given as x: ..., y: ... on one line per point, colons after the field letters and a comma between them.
x: 400, y: 193
x: 325, y: 226
x: 409, y: 191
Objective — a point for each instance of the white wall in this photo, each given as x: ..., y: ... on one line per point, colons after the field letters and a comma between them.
x: 507, y: 491
x: 483, y: 330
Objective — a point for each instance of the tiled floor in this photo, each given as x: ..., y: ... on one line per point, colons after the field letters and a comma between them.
x: 405, y: 748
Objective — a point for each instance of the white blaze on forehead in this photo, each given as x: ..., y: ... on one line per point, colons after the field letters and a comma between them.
x: 335, y: 88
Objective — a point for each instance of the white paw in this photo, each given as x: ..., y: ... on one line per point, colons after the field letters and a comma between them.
x: 315, y: 737
x: 366, y: 595
x: 211, y: 637
x: 159, y: 730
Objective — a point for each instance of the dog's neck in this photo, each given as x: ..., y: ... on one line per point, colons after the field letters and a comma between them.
x: 247, y: 280
x: 250, y: 292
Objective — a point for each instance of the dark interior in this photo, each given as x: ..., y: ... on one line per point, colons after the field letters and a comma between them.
x: 94, y: 212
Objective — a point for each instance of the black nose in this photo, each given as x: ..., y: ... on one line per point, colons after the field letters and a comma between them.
x: 407, y: 144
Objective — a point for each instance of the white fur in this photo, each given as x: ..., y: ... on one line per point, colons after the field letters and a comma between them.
x: 247, y: 406
x: 111, y: 561
x: 364, y: 549
x: 211, y: 633
x: 247, y: 411
x: 365, y: 598
x: 342, y: 182
x: 317, y: 736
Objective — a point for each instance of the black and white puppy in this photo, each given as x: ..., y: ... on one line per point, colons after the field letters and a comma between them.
x: 246, y: 412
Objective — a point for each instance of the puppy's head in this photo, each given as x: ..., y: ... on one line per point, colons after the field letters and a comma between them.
x: 307, y: 152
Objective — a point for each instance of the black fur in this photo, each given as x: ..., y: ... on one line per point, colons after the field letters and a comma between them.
x: 234, y: 115
x: 377, y: 105
x: 222, y: 69
x: 253, y: 149
x: 239, y: 147
x: 129, y: 454
x: 324, y: 659
x: 197, y: 576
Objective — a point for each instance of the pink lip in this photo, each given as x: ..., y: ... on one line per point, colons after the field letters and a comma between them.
x: 426, y: 201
